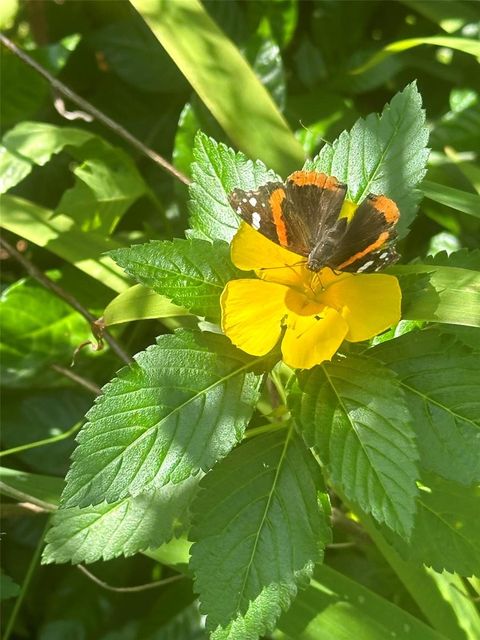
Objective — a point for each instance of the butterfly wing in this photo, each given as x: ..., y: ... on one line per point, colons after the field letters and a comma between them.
x: 366, y: 244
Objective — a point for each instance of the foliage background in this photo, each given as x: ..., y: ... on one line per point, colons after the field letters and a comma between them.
x: 315, y: 60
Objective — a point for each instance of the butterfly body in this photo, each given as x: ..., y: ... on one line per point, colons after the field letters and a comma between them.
x: 303, y: 215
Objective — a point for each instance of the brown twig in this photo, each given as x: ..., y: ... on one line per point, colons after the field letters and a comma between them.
x: 89, y: 108
x: 68, y: 373
x: 33, y: 271
x: 140, y: 587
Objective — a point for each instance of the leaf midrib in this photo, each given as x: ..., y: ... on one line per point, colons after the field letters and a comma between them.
x: 264, y: 516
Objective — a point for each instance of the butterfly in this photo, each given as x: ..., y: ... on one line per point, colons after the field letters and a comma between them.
x: 302, y: 215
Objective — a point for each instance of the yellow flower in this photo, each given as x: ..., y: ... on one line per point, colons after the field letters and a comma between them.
x: 311, y: 312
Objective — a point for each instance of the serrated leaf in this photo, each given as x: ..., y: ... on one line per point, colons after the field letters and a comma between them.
x: 125, y: 527
x: 354, y: 413
x: 440, y: 379
x: 218, y: 170
x: 258, y: 531
x: 192, y: 273
x: 179, y: 408
x: 446, y: 535
x: 384, y: 154
x: 37, y: 329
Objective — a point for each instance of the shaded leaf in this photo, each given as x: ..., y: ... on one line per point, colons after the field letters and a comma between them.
x: 258, y: 530
x: 440, y: 380
x: 333, y: 606
x: 354, y: 413
x: 140, y: 303
x: 37, y: 329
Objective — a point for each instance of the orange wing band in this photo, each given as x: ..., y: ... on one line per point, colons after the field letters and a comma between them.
x: 276, y: 199
x: 303, y: 178
x: 388, y: 208
x: 382, y: 238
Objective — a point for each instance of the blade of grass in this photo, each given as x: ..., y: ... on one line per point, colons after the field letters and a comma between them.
x: 59, y: 235
x: 455, y: 198
x: 466, y: 45
x: 223, y: 80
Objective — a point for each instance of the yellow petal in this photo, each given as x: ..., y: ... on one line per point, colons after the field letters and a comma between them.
x: 252, y: 313
x: 250, y: 250
x: 309, y: 340
x: 370, y: 303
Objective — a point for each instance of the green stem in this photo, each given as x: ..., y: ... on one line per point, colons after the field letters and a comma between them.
x: 28, y: 577
x: 266, y: 428
x: 279, y: 386
x: 41, y: 443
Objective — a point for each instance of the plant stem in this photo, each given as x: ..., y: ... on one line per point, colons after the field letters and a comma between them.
x: 89, y: 108
x: 41, y: 443
x: 18, y: 602
x: 33, y: 271
x: 136, y: 589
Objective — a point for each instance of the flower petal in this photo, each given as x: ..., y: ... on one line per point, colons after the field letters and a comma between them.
x: 250, y: 250
x: 252, y: 313
x: 370, y: 303
x: 309, y: 340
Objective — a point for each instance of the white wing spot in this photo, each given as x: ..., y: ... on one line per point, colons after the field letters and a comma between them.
x: 239, y: 209
x: 365, y: 266
x: 256, y: 220
x: 383, y: 255
x: 253, y: 202
x: 263, y: 205
x: 244, y: 199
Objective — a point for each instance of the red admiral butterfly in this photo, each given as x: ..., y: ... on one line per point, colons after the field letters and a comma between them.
x: 302, y: 215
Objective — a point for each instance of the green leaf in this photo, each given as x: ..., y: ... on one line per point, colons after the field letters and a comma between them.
x: 259, y: 527
x: 31, y: 487
x: 218, y: 170
x: 192, y: 273
x: 384, y: 154
x: 446, y: 535
x: 466, y: 45
x: 440, y: 379
x: 34, y: 143
x: 355, y: 414
x: 193, y: 40
x: 334, y: 607
x: 107, y: 183
x: 37, y: 329
x: 135, y: 55
x: 124, y: 527
x: 61, y: 236
x: 460, y: 200
x: 30, y: 415
x: 450, y: 15
x: 179, y: 408
x: 439, y: 293
x: 27, y: 90
x: 8, y: 588
x: 459, y: 128
x: 267, y: 63
x: 140, y: 303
